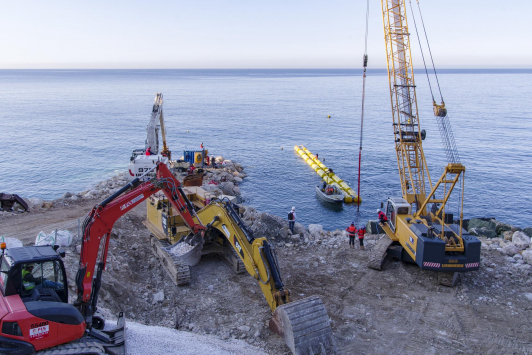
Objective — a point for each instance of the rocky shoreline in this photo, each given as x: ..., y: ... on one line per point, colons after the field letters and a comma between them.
x: 225, y: 179
x: 511, y: 241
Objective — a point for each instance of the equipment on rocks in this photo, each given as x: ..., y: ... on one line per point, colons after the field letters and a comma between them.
x: 196, y: 157
x: 7, y: 201
x: 139, y: 161
x: 193, y: 180
x: 304, y: 324
x: 431, y: 239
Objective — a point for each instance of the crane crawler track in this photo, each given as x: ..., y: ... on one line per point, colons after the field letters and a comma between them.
x: 378, y: 253
x: 179, y: 272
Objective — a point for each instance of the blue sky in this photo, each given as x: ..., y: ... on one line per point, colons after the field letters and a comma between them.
x: 252, y: 34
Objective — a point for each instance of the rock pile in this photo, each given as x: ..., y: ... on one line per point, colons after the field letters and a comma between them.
x: 225, y: 179
x: 491, y: 228
x: 517, y: 250
x: 276, y: 230
x: 103, y: 189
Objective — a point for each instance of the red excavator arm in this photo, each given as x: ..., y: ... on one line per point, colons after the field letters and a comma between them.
x: 99, y: 223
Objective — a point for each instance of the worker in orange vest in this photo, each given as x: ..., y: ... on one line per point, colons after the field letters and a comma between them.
x: 352, y: 231
x: 361, y: 232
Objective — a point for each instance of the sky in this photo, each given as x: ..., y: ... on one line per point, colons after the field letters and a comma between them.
x: 164, y: 34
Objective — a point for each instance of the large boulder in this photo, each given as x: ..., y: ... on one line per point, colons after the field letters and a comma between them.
x: 373, y: 227
x: 482, y: 227
x: 484, y: 232
x: 35, y: 202
x: 521, y: 240
x: 527, y: 256
x: 227, y: 188
x: 502, y: 227
x: 268, y: 226
x: 510, y: 249
x: 299, y: 228
x: 481, y: 222
x: 315, y: 230
x: 507, y: 235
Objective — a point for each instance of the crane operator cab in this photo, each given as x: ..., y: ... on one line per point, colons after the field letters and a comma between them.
x: 396, y: 206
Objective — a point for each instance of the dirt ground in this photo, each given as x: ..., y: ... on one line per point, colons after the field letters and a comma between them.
x: 401, y: 310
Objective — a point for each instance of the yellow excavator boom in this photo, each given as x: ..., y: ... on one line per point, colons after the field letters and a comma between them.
x: 304, y: 324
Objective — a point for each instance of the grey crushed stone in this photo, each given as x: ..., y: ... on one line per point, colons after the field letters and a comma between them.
x: 143, y: 339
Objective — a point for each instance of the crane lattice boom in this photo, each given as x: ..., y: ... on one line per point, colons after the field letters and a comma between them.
x: 407, y: 132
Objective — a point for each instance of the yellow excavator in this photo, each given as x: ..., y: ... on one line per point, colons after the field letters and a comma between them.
x: 431, y: 238
x: 304, y: 324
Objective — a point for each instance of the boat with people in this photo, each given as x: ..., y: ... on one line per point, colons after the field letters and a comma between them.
x: 330, y: 193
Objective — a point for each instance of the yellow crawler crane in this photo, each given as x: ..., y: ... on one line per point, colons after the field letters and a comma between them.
x: 430, y: 239
x: 304, y: 324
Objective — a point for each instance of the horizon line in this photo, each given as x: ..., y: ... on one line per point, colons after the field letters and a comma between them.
x: 383, y: 68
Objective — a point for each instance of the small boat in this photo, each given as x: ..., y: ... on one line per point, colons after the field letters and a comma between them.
x: 330, y: 194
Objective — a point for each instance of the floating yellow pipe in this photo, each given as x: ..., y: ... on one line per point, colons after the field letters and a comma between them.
x: 329, y: 178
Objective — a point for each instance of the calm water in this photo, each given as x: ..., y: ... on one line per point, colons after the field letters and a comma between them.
x: 66, y: 130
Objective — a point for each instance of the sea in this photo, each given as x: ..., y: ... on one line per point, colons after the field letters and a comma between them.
x: 67, y: 130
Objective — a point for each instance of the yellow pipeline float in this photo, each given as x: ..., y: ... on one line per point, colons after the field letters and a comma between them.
x: 329, y: 177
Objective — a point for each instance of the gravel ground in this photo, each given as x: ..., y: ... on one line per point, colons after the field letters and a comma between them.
x: 143, y: 339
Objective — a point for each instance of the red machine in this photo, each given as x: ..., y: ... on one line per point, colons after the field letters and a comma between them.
x: 34, y: 309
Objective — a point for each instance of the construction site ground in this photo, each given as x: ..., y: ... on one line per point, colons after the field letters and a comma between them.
x: 401, y: 310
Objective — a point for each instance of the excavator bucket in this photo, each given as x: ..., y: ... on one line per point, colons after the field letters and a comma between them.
x: 305, y: 327
x: 113, y: 341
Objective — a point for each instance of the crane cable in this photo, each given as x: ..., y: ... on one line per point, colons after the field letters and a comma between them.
x: 437, y: 81
x: 365, y: 63
x: 430, y: 52
x: 421, y: 48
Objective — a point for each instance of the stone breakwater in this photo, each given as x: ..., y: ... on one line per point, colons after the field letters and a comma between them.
x: 512, y: 242
x: 225, y: 179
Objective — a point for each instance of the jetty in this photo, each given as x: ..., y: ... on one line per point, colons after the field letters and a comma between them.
x: 327, y: 175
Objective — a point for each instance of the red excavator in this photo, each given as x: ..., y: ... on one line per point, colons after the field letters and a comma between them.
x: 34, y: 309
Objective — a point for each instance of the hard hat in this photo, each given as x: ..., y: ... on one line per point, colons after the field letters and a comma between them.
x: 363, y: 227
x: 353, y: 223
x: 293, y: 208
x: 378, y: 210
